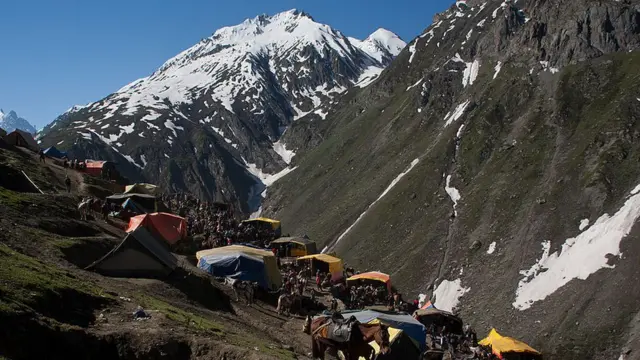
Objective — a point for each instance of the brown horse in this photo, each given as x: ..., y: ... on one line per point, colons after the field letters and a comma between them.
x: 358, y: 346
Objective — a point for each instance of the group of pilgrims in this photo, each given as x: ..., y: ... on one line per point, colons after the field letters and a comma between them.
x: 308, y: 289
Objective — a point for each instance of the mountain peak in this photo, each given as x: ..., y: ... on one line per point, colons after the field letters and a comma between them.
x: 11, y: 121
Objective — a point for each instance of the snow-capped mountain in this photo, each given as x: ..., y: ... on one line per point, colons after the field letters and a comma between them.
x: 210, y: 118
x: 12, y: 121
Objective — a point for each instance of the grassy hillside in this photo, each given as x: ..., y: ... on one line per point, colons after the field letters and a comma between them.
x: 46, y: 297
x: 544, y: 146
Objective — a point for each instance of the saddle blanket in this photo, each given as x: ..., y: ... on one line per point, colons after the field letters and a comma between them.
x: 339, y: 332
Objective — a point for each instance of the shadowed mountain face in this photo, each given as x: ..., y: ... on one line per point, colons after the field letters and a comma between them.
x: 494, y: 167
x: 210, y: 119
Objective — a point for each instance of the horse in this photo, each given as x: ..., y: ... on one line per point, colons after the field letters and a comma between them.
x: 358, y: 345
x: 248, y: 288
x: 285, y: 303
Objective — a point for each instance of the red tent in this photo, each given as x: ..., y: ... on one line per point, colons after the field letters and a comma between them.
x: 171, y: 228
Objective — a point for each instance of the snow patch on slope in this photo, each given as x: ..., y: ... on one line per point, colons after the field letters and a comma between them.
x: 470, y: 73
x: 448, y: 293
x: 453, y: 193
x: 457, y: 113
x: 281, y: 149
x: 579, y: 257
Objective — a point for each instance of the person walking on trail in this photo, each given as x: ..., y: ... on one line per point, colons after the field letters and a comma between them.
x: 105, y: 211
x: 67, y: 182
x: 42, y: 158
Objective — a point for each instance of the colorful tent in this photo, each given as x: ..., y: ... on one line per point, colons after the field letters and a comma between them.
x: 242, y: 263
x: 274, y: 224
x: 54, y: 152
x: 440, y: 318
x: 502, y: 346
x: 372, y: 276
x: 171, y: 228
x: 138, y: 255
x: 23, y: 139
x: 401, y: 321
x: 141, y: 188
x: 298, y: 246
x: 427, y: 305
x: 96, y: 168
x: 326, y: 263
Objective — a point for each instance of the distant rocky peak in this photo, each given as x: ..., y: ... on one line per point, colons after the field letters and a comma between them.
x: 11, y: 121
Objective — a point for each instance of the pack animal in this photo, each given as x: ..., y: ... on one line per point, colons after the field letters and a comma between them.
x: 357, y: 344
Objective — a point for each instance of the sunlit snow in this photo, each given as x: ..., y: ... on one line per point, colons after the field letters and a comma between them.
x: 281, y: 150
x: 453, y: 193
x: 497, y: 69
x: 492, y: 248
x: 457, y: 113
x: 579, y: 257
x: 470, y: 73
x: 448, y: 293
x: 584, y: 223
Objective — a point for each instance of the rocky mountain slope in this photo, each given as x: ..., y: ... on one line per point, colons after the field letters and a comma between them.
x: 11, y: 121
x: 210, y: 119
x: 494, y: 167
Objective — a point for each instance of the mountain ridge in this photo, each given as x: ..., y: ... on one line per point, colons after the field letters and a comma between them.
x: 226, y: 102
x: 11, y: 121
x: 469, y: 169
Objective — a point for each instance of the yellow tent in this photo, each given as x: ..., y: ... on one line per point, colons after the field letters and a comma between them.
x: 275, y: 224
x: 503, y: 344
x: 141, y: 188
x: 299, y: 246
x: 270, y: 263
x: 335, y: 264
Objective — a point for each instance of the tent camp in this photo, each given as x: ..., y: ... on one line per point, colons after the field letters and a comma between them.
x: 439, y: 318
x: 101, y: 169
x: 508, y: 348
x: 294, y: 246
x: 374, y: 276
x: 273, y: 224
x: 54, y: 153
x: 147, y: 203
x: 401, y: 321
x: 242, y: 263
x: 325, y: 263
x: 141, y: 188
x: 138, y: 255
x: 168, y: 227
x: 22, y: 139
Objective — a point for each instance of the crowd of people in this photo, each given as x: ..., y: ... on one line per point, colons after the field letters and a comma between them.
x: 215, y: 224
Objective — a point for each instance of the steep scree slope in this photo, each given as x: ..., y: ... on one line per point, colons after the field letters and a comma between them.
x: 494, y: 167
x: 209, y: 119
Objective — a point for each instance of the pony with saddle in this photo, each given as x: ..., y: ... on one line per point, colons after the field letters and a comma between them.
x: 348, y: 336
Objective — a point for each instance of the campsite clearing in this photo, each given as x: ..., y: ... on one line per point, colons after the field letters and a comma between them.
x: 45, y: 291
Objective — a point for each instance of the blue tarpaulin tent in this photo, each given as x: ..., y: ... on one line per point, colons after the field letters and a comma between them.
x: 53, y: 152
x: 405, y: 322
x: 237, y: 266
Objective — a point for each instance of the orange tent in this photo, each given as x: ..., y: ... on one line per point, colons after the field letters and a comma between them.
x: 171, y: 228
x: 373, y: 275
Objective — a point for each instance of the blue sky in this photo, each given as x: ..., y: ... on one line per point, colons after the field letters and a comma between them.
x: 55, y: 54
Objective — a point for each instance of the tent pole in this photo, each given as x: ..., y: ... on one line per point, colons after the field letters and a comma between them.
x: 32, y: 183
